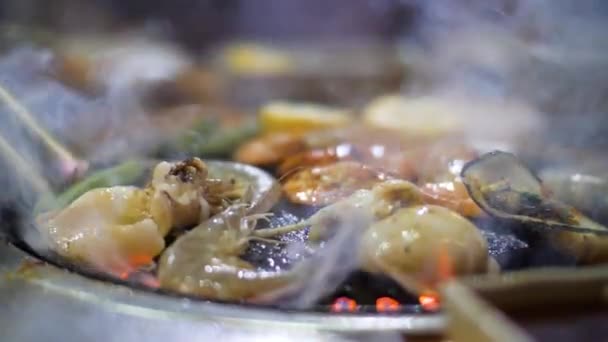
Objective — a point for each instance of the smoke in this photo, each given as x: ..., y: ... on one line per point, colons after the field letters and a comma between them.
x: 546, y: 55
x: 110, y: 126
x: 507, y: 68
x: 127, y: 66
x: 532, y: 74
x: 337, y: 258
x: 511, y: 71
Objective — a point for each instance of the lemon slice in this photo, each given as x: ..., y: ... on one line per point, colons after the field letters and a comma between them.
x: 254, y: 59
x: 416, y: 117
x: 301, y: 117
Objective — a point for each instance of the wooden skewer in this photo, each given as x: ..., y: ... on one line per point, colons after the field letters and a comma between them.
x: 70, y: 165
x: 24, y: 168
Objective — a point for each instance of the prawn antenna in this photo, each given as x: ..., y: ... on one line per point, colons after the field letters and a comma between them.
x: 272, y: 232
x: 289, y: 173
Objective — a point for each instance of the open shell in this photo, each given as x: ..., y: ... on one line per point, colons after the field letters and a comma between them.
x: 506, y: 189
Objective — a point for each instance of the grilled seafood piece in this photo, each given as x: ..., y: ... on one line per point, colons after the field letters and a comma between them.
x: 441, y: 161
x: 403, y: 236
x: 206, y: 261
x: 422, y: 245
x: 269, y: 149
x: 375, y: 155
x: 507, y: 190
x: 452, y: 195
x: 376, y: 203
x: 435, y: 167
x: 437, y: 170
x: 426, y: 162
x: 121, y: 228
x: 323, y: 185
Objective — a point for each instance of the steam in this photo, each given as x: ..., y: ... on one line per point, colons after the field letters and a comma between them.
x: 336, y: 259
x: 510, y: 70
x: 548, y: 55
x: 529, y: 73
x: 125, y: 67
x: 501, y: 66
x: 78, y: 121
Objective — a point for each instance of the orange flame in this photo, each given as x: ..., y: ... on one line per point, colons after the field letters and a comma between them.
x: 387, y: 304
x: 343, y: 304
x: 429, y: 301
x: 146, y: 279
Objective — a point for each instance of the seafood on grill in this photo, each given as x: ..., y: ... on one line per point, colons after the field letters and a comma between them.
x: 422, y: 245
x: 311, y: 176
x: 323, y: 185
x: 269, y: 149
x: 206, y: 261
x: 121, y: 228
x: 507, y: 190
x: 378, y: 202
x: 586, y: 190
x: 403, y: 236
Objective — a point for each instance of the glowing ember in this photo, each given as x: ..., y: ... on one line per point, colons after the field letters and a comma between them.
x: 144, y: 278
x: 387, y: 304
x: 429, y: 301
x: 344, y: 304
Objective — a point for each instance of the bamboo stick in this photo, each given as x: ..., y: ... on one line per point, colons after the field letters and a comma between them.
x: 70, y: 165
x: 24, y: 168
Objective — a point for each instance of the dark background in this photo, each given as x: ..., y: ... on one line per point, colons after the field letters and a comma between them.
x: 197, y: 23
x: 574, y: 92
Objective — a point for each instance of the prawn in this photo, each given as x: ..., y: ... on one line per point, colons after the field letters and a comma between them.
x: 206, y: 261
x: 376, y: 203
x: 403, y: 234
x: 327, y: 184
x: 121, y: 228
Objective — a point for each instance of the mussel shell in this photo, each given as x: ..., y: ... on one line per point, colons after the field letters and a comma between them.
x: 506, y: 189
x: 583, y: 190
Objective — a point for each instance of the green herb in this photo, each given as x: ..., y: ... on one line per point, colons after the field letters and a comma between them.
x: 209, y: 139
x: 124, y: 174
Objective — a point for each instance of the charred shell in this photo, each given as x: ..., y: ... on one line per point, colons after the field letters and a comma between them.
x: 505, y: 189
x: 585, y: 190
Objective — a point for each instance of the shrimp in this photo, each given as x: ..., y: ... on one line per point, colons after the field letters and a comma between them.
x: 435, y: 167
x: 403, y: 235
x: 206, y: 261
x: 377, y: 203
x: 121, y: 228
x: 452, y: 195
x: 269, y: 149
x: 327, y: 184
